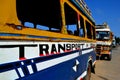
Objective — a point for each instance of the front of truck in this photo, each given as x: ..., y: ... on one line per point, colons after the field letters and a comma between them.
x: 104, y: 42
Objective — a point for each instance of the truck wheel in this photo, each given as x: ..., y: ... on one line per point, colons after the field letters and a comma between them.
x: 109, y: 57
x: 97, y: 57
x: 102, y: 57
x: 88, y: 76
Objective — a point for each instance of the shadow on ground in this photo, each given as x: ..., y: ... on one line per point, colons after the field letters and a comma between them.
x: 102, y: 78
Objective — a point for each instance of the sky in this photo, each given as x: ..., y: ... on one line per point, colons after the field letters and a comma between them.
x: 106, y: 11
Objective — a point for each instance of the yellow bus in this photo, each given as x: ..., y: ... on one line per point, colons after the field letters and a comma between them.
x: 41, y: 40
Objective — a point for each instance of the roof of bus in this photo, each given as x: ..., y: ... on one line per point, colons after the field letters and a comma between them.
x: 87, y: 14
x: 103, y: 27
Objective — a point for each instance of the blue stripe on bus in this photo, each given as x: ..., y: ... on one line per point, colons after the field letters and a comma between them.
x: 31, y: 36
x: 10, y: 66
x: 36, y: 60
x: 8, y: 34
x: 65, y: 67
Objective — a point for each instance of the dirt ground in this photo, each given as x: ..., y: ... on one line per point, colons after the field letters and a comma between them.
x: 108, y: 70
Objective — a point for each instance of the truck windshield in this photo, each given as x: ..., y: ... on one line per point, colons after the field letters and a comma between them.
x: 102, y: 35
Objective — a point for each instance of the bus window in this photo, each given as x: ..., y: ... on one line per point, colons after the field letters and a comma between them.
x: 74, y: 22
x: 94, y: 37
x: 71, y: 19
x: 81, y: 27
x: 43, y: 18
x: 88, y: 30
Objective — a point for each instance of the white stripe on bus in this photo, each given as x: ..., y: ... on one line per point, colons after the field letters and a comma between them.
x: 50, y: 63
x: 82, y: 76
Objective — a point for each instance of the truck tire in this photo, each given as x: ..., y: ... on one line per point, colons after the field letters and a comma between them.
x: 109, y: 57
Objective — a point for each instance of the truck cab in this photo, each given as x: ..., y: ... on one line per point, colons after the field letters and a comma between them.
x: 104, y: 38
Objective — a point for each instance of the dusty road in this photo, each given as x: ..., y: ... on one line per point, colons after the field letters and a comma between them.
x: 108, y: 70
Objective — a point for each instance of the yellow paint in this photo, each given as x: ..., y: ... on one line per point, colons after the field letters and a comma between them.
x: 35, y: 32
x: 8, y: 13
x: 63, y: 30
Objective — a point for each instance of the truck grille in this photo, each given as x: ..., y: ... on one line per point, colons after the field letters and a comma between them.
x: 98, y: 48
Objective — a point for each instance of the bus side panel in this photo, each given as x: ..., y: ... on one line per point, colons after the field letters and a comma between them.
x: 63, y: 71
x: 66, y: 66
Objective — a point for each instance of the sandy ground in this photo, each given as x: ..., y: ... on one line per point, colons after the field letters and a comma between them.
x: 108, y: 70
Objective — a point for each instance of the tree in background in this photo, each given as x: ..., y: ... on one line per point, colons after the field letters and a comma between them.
x: 117, y: 40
